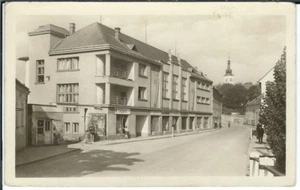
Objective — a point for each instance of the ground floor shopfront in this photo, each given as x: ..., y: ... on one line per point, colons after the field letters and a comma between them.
x: 59, y: 123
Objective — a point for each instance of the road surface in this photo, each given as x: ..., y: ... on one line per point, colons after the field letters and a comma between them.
x: 217, y: 153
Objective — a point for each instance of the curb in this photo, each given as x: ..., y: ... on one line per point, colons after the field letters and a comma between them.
x: 45, y: 158
x: 162, y: 137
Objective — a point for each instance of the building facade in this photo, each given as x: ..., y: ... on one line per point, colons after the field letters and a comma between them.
x: 22, y: 135
x: 217, y: 107
x: 252, y: 111
x: 228, y: 77
x: 268, y: 77
x: 103, y: 79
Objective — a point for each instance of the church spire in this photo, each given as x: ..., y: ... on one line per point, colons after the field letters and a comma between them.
x: 228, y: 70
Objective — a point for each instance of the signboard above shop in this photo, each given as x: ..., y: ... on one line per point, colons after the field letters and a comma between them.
x: 122, y: 111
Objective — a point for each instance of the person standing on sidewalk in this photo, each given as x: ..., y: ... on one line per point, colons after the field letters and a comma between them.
x: 126, y: 132
x: 229, y: 124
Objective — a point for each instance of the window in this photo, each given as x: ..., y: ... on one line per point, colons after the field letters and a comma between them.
x: 207, y: 86
x: 142, y: 70
x: 68, y: 93
x: 40, y: 71
x: 175, y: 86
x: 75, y: 127
x: 207, y: 100
x: 67, y: 128
x: 165, y: 84
x: 47, y: 125
x: 142, y: 93
x: 65, y: 64
x: 70, y: 109
x: 198, y: 85
x: 202, y: 100
x: 40, y: 128
x: 184, y: 89
x: 198, y: 99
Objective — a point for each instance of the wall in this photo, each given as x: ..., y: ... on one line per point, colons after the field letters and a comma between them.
x: 21, y: 135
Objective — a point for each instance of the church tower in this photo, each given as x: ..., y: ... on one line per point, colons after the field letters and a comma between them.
x: 228, y: 77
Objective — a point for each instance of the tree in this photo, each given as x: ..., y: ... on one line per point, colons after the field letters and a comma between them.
x: 273, y: 113
x: 234, y: 96
x: 253, y: 92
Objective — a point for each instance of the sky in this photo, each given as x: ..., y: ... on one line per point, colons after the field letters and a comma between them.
x: 254, y: 43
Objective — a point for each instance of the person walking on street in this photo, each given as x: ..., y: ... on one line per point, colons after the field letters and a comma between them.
x: 229, y: 124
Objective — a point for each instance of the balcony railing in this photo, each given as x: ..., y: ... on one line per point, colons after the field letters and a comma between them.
x: 118, y: 73
x: 118, y: 100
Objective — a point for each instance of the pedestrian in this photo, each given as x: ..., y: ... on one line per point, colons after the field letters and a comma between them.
x: 258, y: 131
x: 261, y: 133
x: 126, y: 132
x: 216, y: 124
x: 229, y: 124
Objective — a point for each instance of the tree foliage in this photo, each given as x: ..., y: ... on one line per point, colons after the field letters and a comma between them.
x: 253, y: 92
x: 235, y: 97
x: 273, y: 112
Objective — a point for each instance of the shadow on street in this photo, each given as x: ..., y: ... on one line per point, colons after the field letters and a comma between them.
x: 79, y: 164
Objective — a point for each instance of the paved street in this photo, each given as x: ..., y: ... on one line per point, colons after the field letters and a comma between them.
x: 217, y: 153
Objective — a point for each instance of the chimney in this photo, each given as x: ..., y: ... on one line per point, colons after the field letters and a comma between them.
x: 72, y: 28
x: 117, y: 33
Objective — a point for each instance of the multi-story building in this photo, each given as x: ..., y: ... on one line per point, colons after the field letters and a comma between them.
x: 22, y: 130
x: 99, y: 77
x: 217, y: 107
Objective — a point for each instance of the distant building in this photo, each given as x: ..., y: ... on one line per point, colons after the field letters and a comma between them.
x: 217, y: 106
x: 100, y: 78
x: 228, y: 77
x: 22, y: 131
x: 252, y: 111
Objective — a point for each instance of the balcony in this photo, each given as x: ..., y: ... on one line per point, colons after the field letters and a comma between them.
x: 118, y: 73
x: 118, y: 100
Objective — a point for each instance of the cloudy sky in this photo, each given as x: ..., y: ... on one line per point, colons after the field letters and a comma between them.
x: 254, y: 43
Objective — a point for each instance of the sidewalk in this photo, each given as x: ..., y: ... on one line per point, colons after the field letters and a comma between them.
x: 263, y: 149
x: 137, y: 139
x: 33, y: 154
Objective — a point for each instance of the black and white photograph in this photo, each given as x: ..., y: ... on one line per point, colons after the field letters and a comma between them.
x: 149, y: 94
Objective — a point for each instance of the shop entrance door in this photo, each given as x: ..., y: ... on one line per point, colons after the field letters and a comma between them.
x: 44, y: 132
x: 121, y: 123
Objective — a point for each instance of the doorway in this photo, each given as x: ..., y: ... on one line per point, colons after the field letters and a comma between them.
x: 44, y: 132
x: 121, y: 123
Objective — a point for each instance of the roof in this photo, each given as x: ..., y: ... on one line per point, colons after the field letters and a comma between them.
x: 97, y: 34
x: 23, y: 58
x: 266, y: 73
x: 22, y: 85
x: 255, y: 101
x: 50, y: 28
